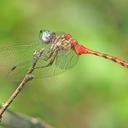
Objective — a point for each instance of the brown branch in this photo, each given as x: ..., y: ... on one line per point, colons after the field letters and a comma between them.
x: 18, y: 120
x: 27, y: 78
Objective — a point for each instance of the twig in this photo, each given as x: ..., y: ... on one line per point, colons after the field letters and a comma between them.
x: 16, y: 120
x: 27, y: 78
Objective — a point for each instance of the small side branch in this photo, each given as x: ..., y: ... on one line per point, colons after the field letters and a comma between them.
x: 16, y: 120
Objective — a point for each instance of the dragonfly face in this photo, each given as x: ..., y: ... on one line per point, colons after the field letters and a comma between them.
x: 46, y: 36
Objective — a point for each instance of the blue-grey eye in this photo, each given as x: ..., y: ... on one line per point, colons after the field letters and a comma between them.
x: 46, y: 36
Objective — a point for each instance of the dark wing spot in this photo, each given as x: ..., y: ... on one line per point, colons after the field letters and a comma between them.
x: 13, y: 68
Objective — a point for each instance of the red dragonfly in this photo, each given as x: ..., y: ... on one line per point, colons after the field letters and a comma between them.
x: 66, y: 42
x: 59, y: 52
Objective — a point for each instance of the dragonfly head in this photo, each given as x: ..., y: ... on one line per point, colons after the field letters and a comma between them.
x: 46, y: 36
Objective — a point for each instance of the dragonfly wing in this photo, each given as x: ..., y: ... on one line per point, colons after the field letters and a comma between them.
x: 16, y: 59
x: 66, y: 59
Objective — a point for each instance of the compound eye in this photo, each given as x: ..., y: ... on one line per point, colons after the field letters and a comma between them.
x: 46, y: 36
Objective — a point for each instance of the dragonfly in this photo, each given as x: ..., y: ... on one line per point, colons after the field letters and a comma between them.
x: 60, y: 51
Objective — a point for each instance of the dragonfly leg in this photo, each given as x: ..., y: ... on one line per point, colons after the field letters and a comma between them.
x: 37, y: 54
x: 53, y: 56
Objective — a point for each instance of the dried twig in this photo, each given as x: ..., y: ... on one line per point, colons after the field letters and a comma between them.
x: 27, y: 78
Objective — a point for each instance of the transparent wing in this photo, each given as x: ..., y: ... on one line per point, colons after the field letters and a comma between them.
x: 16, y: 59
x: 66, y: 59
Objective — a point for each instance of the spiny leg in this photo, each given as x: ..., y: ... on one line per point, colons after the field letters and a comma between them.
x: 42, y: 55
x: 52, y: 59
x: 110, y: 57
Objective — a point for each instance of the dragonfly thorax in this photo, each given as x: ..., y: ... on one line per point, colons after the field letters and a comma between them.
x: 61, y: 44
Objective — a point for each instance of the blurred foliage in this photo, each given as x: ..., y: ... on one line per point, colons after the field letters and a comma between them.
x: 94, y: 94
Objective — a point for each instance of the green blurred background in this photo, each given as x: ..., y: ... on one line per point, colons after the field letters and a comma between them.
x: 93, y: 94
